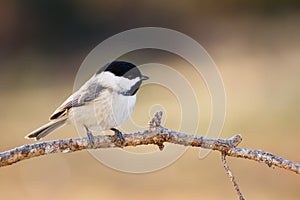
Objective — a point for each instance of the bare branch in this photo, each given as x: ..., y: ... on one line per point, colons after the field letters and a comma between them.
x: 156, y: 135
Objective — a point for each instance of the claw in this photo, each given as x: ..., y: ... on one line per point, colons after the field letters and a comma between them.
x: 91, y: 139
x: 118, y: 135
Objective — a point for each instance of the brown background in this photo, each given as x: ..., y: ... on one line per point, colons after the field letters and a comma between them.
x: 255, y: 44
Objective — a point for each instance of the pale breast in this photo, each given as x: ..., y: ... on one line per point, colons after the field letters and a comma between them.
x: 111, y: 110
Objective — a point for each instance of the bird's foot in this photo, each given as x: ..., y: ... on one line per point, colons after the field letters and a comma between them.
x: 91, y: 138
x: 118, y: 135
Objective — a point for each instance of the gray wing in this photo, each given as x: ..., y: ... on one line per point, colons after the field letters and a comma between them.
x: 90, y: 91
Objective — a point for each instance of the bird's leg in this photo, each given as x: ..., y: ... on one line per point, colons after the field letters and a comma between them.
x: 90, y: 137
x: 118, y: 135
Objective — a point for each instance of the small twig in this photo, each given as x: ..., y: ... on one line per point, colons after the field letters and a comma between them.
x: 231, y: 176
x: 156, y: 120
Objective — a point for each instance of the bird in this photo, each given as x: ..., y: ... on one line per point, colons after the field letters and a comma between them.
x: 102, y: 103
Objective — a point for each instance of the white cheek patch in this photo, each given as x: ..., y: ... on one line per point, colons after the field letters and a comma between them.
x: 126, y: 84
x: 108, y: 79
x: 117, y: 83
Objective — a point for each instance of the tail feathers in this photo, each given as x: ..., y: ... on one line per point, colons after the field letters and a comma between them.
x: 45, y: 130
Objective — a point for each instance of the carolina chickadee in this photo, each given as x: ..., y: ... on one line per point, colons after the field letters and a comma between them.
x: 104, y: 102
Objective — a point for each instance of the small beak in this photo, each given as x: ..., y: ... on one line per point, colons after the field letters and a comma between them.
x: 143, y: 77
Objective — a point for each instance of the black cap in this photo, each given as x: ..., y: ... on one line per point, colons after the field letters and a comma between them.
x: 122, y: 68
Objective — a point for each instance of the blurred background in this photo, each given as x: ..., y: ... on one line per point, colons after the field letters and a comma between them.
x: 255, y: 44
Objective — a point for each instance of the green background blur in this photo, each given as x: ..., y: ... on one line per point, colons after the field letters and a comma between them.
x: 255, y: 44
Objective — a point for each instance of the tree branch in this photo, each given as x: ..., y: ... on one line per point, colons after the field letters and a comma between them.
x: 157, y: 135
